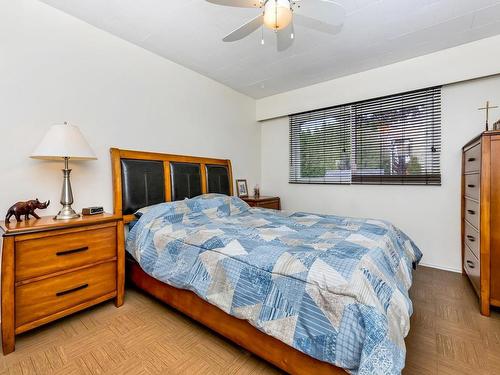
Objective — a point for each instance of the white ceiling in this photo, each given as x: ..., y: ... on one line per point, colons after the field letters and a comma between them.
x: 375, y: 33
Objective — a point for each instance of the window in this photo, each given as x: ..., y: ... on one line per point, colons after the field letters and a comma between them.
x: 390, y: 140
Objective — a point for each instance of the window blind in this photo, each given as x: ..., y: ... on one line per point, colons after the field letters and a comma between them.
x: 390, y: 140
x: 321, y: 146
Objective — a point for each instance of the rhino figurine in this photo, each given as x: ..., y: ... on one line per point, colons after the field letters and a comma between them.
x: 25, y: 209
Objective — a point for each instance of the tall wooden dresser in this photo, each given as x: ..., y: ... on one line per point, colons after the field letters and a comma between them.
x: 481, y: 217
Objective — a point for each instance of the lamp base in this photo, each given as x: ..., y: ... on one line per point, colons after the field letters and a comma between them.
x: 66, y: 213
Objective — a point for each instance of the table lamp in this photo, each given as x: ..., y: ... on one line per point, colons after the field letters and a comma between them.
x: 64, y: 142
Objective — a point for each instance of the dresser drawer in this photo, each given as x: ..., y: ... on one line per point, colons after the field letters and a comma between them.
x: 472, y: 212
x: 472, y: 162
x: 472, y: 185
x: 274, y: 205
x: 473, y: 268
x: 472, y: 239
x: 43, y: 298
x: 42, y: 256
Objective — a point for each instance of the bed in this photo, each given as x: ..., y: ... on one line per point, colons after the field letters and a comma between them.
x: 309, y: 293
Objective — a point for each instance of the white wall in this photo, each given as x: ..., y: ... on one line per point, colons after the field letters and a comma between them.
x: 430, y: 215
x: 468, y: 61
x: 54, y: 67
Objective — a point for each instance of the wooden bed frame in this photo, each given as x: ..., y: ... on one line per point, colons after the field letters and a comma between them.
x: 239, y: 331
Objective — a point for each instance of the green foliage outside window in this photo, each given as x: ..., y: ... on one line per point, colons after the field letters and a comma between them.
x: 324, y: 149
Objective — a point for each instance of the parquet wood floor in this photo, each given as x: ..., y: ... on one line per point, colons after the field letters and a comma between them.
x: 448, y: 336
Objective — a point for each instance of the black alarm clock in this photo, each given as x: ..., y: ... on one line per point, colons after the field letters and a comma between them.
x: 92, y: 211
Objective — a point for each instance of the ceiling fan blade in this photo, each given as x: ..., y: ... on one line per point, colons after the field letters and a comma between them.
x: 238, y: 3
x: 325, y: 11
x: 245, y: 30
x: 285, y: 37
x: 314, y: 24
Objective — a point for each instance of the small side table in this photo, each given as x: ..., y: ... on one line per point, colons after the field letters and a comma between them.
x: 53, y: 268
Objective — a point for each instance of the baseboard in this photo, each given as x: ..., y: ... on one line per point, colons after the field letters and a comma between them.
x: 440, y: 267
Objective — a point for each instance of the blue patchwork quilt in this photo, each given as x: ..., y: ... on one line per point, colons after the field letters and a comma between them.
x: 335, y: 288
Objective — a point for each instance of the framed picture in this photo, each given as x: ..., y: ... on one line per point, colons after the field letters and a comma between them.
x: 241, y: 188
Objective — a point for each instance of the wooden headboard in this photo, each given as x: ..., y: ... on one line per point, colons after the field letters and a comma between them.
x: 144, y: 178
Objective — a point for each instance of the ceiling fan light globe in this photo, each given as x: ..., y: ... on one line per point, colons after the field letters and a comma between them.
x: 277, y: 14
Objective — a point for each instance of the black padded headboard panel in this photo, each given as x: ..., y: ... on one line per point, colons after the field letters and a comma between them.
x: 143, y: 184
x: 218, y: 179
x: 185, y: 180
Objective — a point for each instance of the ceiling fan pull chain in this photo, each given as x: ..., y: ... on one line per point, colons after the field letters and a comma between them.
x: 276, y: 15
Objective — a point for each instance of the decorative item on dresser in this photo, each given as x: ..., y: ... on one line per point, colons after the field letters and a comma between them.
x: 496, y: 125
x: 241, y: 188
x: 26, y: 209
x: 256, y: 191
x: 487, y: 109
x: 481, y: 217
x: 52, y: 268
x: 264, y: 202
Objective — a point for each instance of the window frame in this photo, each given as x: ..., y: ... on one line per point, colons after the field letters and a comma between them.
x: 432, y: 125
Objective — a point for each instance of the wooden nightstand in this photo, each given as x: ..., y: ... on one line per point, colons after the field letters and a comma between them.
x: 54, y: 268
x: 264, y: 202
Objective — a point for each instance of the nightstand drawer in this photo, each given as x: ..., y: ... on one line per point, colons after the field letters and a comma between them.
x: 264, y: 202
x: 43, y: 298
x: 274, y: 205
x: 42, y: 256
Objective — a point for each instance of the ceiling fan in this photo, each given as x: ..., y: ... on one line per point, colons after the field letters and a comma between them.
x: 280, y: 15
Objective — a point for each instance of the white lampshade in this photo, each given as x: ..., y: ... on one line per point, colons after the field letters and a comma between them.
x: 63, y: 141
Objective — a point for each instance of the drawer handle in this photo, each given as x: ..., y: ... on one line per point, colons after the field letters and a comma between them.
x: 471, y: 264
x: 471, y: 186
x: 472, y: 212
x: 72, y: 290
x: 471, y: 238
x: 471, y: 159
x: 73, y: 251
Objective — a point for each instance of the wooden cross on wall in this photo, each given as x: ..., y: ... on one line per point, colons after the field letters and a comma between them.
x: 487, y: 109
